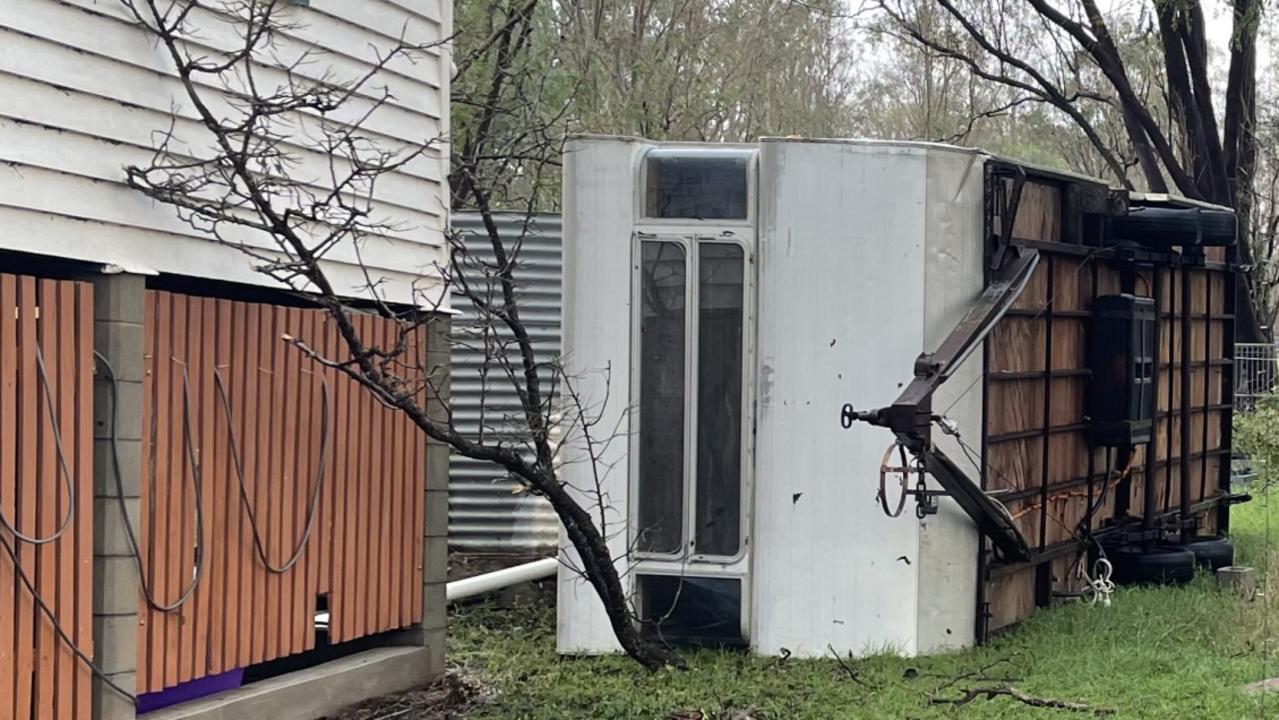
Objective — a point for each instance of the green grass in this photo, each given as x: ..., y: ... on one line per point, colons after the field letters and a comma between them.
x: 1156, y: 653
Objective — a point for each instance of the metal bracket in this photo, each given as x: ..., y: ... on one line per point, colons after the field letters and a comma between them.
x: 1237, y: 498
x: 910, y: 416
x: 1008, y: 205
x: 925, y: 499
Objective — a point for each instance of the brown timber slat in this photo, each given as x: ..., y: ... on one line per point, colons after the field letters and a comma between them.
x: 275, y: 449
x: 175, y: 480
x: 376, y: 508
x: 47, y: 503
x: 263, y: 472
x: 362, y: 507
x: 303, y: 606
x: 309, y: 437
x: 8, y: 485
x: 327, y: 550
x: 288, y: 497
x: 336, y: 493
x: 234, y: 334
x: 419, y: 476
x: 348, y: 595
x: 30, y: 519
x: 28, y: 468
x: 382, y: 507
x: 243, y: 393
x: 224, y: 507
x: 396, y: 511
x: 64, y: 678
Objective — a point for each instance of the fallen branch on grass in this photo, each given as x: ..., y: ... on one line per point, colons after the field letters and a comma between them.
x: 852, y: 672
x: 990, y: 693
x: 981, y: 674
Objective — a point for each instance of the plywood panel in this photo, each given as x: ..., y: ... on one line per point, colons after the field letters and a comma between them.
x: 1039, y: 215
x: 1017, y: 405
x: 1018, y: 344
x: 1015, y: 464
x: 1067, y: 457
x: 1011, y: 598
x: 1069, y: 397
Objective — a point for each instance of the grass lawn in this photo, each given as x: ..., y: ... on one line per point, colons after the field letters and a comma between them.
x: 1155, y: 653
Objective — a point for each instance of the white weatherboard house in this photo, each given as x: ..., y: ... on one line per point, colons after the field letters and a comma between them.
x: 84, y: 91
x: 739, y: 296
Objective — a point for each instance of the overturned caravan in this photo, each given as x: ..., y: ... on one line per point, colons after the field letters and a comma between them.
x: 880, y: 396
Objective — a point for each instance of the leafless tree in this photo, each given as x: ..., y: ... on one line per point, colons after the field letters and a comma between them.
x: 710, y: 70
x: 240, y: 184
x: 1090, y: 67
x: 1265, y: 208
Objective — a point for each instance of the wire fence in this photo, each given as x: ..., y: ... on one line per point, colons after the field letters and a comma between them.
x: 1256, y: 373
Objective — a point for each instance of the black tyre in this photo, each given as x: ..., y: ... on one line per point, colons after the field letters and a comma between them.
x: 1176, y: 226
x: 1159, y: 565
x: 1212, y: 552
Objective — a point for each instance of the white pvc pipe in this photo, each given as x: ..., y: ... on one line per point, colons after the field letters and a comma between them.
x: 488, y: 582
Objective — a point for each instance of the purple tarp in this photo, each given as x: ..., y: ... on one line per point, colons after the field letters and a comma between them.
x: 190, y: 690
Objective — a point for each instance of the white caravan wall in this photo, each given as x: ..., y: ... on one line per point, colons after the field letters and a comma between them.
x: 953, y: 278
x: 83, y: 89
x: 598, y: 220
x: 841, y: 319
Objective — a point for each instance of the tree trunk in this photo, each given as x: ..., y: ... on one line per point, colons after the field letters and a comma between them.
x: 598, y: 568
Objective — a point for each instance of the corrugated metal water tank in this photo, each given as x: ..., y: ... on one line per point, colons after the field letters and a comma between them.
x: 487, y: 513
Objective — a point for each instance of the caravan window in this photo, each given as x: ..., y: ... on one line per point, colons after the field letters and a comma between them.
x: 697, y: 184
x: 663, y: 326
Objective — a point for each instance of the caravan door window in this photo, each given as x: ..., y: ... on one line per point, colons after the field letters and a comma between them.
x: 720, y: 322
x: 689, y: 490
x: 663, y: 338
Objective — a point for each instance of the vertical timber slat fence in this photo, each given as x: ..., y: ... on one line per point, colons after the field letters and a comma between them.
x: 240, y: 431
x: 46, y: 492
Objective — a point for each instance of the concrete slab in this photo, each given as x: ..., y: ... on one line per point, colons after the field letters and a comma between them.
x: 319, y: 691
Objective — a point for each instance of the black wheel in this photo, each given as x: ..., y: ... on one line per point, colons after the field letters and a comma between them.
x: 1212, y: 552
x: 1176, y: 226
x: 1159, y: 565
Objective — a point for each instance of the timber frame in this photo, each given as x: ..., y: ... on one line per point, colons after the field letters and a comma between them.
x: 1060, y: 490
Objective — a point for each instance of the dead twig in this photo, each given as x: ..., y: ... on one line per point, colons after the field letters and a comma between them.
x: 990, y: 693
x: 852, y: 672
x: 981, y: 674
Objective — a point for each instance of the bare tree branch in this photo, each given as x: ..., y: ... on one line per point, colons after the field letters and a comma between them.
x: 242, y: 191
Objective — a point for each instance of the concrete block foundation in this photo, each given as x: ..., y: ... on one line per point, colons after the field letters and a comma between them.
x: 319, y: 691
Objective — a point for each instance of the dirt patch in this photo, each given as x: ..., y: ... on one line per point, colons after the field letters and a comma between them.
x: 444, y: 699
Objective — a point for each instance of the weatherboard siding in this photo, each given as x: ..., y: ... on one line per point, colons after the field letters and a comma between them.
x: 85, y: 91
